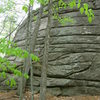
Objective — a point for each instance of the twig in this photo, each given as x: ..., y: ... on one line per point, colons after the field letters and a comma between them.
x: 15, y: 28
x: 3, y: 25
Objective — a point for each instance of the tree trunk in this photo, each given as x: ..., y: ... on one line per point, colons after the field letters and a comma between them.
x: 36, y: 29
x: 33, y: 39
x: 27, y: 63
x: 43, y: 82
x: 20, y: 85
x: 32, y: 47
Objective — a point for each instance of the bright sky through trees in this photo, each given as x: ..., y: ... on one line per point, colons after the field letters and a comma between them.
x: 18, y: 12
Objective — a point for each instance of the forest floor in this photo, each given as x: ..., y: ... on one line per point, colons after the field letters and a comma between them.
x: 12, y: 96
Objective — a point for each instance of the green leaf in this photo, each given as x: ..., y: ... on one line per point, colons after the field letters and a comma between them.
x: 91, y: 13
x: 4, y: 74
x: 7, y: 82
x: 90, y: 19
x: 85, y: 6
x: 78, y: 5
x: 71, y: 5
x: 35, y: 18
x: 1, y: 10
x: 26, y: 76
x: 31, y: 2
x: 35, y: 58
x: 90, y: 10
x: 87, y: 13
x: 25, y: 8
x: 79, y: 1
x: 81, y: 10
x: 4, y: 68
x: 13, y: 82
x: 43, y: 2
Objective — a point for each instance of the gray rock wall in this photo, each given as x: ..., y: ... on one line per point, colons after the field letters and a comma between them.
x: 74, y: 54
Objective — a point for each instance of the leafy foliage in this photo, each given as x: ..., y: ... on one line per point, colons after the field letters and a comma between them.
x: 9, y: 49
x: 8, y: 22
x: 88, y: 12
x: 6, y: 5
x: 73, y: 3
x: 31, y: 2
x: 43, y: 2
x: 84, y: 8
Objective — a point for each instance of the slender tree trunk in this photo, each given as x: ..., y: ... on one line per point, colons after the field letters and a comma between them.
x: 36, y: 29
x: 31, y: 81
x: 43, y: 82
x: 31, y: 67
x: 21, y: 84
x: 10, y: 30
x: 33, y: 43
x: 32, y: 47
x: 27, y: 60
x: 33, y: 38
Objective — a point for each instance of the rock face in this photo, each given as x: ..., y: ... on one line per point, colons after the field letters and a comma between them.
x: 74, y: 55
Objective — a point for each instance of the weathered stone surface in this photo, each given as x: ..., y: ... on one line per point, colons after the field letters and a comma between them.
x: 74, y: 54
x: 68, y: 66
x: 65, y: 70
x: 93, y: 73
x: 63, y: 82
x: 97, y: 3
x: 83, y: 90
x: 61, y: 86
x: 11, y: 58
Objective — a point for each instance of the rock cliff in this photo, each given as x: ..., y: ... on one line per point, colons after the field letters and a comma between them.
x: 74, y: 54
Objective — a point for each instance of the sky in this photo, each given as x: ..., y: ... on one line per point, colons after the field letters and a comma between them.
x: 20, y: 3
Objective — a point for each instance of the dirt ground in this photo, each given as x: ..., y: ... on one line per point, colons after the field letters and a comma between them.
x: 12, y: 96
